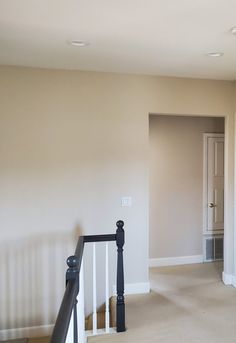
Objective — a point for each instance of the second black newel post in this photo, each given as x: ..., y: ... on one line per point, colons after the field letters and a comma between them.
x: 72, y: 273
x: 120, y: 304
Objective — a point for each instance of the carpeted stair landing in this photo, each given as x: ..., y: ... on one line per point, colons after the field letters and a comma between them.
x: 30, y: 340
x: 187, y: 304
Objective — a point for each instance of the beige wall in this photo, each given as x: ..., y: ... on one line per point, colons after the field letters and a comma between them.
x: 234, y: 202
x: 176, y: 184
x: 72, y: 143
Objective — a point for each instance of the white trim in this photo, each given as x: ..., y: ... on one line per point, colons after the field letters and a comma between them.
x: 89, y: 333
x: 205, y: 171
x: 135, y: 288
x: 234, y: 281
x: 33, y: 331
x: 229, y: 195
x: 213, y: 232
x: 227, y: 279
x: 175, y: 261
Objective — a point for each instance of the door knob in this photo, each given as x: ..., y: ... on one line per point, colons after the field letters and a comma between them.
x: 211, y: 204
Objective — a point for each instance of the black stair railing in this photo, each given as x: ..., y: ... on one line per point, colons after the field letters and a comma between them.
x: 69, y: 302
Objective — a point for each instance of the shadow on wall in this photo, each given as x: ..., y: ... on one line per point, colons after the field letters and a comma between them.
x: 33, y: 279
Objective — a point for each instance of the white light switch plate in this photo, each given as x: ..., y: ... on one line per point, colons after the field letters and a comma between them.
x: 126, y: 201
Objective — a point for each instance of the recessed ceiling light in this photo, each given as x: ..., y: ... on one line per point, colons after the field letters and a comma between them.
x: 79, y: 43
x: 215, y: 54
x: 233, y: 30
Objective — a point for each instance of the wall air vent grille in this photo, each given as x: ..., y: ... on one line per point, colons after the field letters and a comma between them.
x: 214, y: 248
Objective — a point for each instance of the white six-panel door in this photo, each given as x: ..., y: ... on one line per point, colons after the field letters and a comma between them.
x: 214, y: 183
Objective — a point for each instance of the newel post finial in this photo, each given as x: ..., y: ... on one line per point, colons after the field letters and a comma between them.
x: 120, y: 225
x: 120, y: 303
x: 73, y: 270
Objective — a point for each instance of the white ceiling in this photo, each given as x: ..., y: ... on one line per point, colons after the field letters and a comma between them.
x: 159, y: 37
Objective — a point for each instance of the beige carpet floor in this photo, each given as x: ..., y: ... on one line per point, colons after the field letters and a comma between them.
x: 187, y: 304
x: 30, y: 340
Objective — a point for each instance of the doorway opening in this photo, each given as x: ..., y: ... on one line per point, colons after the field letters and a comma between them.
x: 186, y: 202
x: 213, y: 196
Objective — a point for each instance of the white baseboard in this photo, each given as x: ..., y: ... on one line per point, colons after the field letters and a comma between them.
x: 33, y: 331
x: 135, y: 288
x: 227, y: 279
x: 89, y: 333
x: 175, y: 261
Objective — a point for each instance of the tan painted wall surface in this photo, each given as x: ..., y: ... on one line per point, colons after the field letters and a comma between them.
x: 72, y: 143
x: 176, y: 184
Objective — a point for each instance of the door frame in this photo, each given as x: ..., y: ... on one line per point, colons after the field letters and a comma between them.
x: 205, y: 233
x: 205, y: 175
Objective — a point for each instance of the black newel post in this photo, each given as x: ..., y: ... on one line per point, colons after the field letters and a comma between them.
x: 72, y: 273
x: 120, y: 304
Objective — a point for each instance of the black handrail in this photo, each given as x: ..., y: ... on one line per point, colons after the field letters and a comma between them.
x: 69, y: 301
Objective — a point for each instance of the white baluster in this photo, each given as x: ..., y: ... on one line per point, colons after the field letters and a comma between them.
x: 81, y: 315
x: 107, y: 314
x: 70, y: 333
x: 94, y: 291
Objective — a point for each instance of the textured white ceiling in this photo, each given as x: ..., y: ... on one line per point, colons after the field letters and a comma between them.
x: 159, y: 37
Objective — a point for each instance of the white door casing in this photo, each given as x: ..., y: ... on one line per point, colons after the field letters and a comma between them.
x: 213, y: 192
